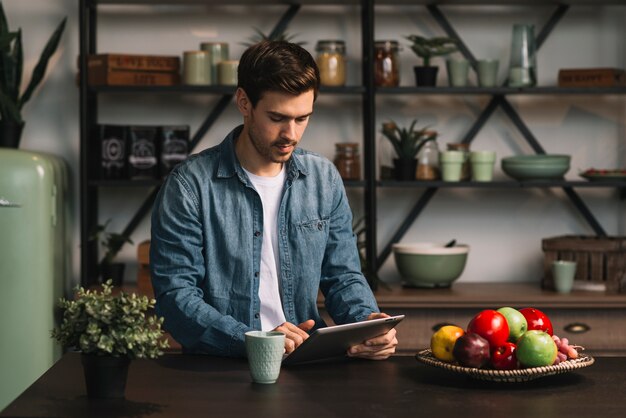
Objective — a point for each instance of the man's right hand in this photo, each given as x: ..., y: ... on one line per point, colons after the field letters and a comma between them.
x: 295, y: 334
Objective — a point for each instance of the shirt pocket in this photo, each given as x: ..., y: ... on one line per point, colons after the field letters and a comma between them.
x: 309, y: 240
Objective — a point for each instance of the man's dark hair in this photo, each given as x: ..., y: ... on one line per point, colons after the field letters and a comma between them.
x: 277, y: 66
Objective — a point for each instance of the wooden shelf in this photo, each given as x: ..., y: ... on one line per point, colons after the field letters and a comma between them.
x: 494, y: 295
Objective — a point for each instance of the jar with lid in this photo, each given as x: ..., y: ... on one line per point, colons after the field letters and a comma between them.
x: 428, y: 162
x: 386, y: 64
x: 465, y: 148
x: 331, y: 61
x: 348, y: 161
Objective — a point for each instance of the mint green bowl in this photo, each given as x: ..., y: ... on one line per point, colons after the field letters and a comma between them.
x: 536, y: 167
x: 429, y: 264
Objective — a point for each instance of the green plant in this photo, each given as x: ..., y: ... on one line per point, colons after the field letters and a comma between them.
x: 111, y: 241
x: 426, y: 48
x: 11, y: 68
x: 280, y: 36
x: 101, y: 323
x: 407, y: 142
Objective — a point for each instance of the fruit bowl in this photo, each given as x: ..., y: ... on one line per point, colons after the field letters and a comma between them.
x: 508, y: 376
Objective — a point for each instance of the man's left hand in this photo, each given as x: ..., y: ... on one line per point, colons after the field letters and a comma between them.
x: 377, y: 348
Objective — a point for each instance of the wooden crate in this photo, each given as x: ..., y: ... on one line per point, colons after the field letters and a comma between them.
x: 599, y: 259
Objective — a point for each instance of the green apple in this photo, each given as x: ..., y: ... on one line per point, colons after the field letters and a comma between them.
x: 517, y: 322
x: 536, y: 349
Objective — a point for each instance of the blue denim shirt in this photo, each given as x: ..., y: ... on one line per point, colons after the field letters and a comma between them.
x: 205, y: 251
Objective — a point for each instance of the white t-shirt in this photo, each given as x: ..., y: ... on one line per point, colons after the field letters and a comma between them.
x: 270, y: 190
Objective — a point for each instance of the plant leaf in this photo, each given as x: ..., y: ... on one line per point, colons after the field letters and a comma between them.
x: 6, y: 39
x: 9, y: 110
x: 4, y: 26
x: 40, y: 68
x: 18, y: 59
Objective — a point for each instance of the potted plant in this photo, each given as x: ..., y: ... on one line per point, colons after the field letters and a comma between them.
x: 426, y: 48
x: 11, y: 68
x: 407, y: 144
x: 109, y: 330
x: 112, y: 243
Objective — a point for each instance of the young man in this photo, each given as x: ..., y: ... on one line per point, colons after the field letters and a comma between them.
x: 244, y: 234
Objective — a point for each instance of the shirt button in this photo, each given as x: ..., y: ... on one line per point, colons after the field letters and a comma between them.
x: 320, y: 226
x: 257, y: 234
x: 256, y: 274
x: 256, y: 315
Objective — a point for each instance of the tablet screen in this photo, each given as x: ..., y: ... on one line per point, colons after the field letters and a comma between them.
x: 334, y: 341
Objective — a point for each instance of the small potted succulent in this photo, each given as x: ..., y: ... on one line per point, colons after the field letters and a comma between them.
x: 112, y: 242
x: 426, y: 48
x: 407, y: 143
x: 109, y: 330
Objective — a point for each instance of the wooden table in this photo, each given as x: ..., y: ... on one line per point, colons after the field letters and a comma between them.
x: 201, y: 386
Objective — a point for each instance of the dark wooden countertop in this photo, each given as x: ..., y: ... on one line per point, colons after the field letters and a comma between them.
x: 202, y: 386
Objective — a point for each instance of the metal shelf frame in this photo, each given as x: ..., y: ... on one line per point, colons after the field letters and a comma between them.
x: 90, y: 184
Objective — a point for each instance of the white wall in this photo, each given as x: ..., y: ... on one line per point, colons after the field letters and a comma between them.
x: 503, y: 227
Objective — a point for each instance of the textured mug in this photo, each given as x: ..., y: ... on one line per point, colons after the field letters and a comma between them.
x: 265, y: 351
x: 227, y: 73
x: 563, y: 273
x: 196, y: 68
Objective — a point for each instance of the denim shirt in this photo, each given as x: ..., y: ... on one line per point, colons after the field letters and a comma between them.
x: 205, y: 251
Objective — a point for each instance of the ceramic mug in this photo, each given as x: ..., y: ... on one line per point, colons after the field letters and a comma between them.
x: 488, y: 72
x: 265, y: 351
x: 563, y: 273
x: 482, y: 165
x: 451, y: 163
x: 458, y: 70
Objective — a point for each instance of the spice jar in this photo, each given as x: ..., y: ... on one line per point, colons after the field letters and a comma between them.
x: 428, y: 162
x: 348, y: 161
x: 331, y: 62
x: 466, y: 168
x: 386, y: 64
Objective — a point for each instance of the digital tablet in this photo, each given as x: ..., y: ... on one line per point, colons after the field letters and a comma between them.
x: 334, y: 341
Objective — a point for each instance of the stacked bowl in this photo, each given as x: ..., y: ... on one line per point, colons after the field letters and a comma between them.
x: 536, y: 167
x: 427, y: 264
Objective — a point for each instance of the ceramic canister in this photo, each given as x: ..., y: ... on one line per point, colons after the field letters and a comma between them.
x: 218, y: 52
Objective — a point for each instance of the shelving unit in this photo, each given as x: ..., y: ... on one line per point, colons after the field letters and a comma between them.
x: 90, y: 184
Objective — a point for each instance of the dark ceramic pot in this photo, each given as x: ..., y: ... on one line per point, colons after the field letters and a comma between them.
x: 426, y: 76
x: 105, y: 376
x: 404, y: 169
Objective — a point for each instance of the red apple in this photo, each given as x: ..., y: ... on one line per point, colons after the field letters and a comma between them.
x: 491, y: 325
x: 537, y: 320
x: 504, y: 358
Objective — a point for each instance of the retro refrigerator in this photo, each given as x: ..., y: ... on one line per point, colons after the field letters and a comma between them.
x: 34, y: 259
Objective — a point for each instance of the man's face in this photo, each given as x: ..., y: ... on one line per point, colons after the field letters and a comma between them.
x: 276, y: 125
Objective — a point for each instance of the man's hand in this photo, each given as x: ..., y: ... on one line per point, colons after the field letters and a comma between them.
x: 294, y: 334
x: 377, y: 348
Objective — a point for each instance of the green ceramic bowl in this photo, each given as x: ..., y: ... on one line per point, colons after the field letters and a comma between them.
x: 429, y: 264
x: 536, y: 167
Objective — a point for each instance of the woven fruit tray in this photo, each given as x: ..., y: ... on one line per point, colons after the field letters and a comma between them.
x: 509, y: 376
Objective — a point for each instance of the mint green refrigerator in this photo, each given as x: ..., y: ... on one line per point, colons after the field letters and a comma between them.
x: 33, y: 265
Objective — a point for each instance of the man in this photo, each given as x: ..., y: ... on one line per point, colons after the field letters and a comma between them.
x: 244, y: 234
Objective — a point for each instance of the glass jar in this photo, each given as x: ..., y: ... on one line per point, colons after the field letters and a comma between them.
x: 428, y: 162
x: 465, y: 148
x: 331, y: 60
x: 348, y: 161
x: 386, y: 64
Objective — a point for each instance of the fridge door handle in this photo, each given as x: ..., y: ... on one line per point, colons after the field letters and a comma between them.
x: 6, y: 204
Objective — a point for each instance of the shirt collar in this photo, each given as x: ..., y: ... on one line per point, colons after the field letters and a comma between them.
x: 229, y: 164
